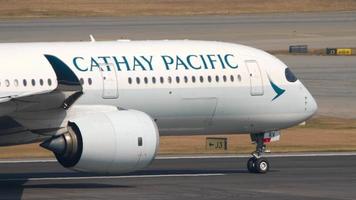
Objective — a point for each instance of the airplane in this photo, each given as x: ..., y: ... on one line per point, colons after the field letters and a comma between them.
x: 102, y: 106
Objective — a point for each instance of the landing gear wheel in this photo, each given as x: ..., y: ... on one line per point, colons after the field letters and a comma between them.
x: 251, y: 165
x: 262, y: 165
x: 258, y: 164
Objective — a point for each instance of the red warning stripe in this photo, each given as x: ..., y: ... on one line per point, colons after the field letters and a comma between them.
x: 266, y: 140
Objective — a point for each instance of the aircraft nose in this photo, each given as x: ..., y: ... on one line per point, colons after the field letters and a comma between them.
x: 310, y: 105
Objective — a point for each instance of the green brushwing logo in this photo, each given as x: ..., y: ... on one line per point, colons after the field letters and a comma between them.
x: 279, y: 91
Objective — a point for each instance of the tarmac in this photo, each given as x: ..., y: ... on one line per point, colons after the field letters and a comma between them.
x: 265, y: 31
x: 309, y: 176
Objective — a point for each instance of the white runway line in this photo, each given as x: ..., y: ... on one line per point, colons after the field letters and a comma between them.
x: 266, y: 155
x: 282, y: 155
x: 109, y: 177
x: 27, y: 161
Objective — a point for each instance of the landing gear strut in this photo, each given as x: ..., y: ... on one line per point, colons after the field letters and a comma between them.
x: 258, y: 164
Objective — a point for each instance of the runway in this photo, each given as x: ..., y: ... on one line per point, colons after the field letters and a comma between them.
x: 265, y: 31
x: 292, y: 177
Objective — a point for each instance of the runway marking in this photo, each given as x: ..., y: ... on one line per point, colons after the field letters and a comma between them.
x: 109, y: 177
x: 27, y: 161
x: 282, y: 155
x: 266, y: 155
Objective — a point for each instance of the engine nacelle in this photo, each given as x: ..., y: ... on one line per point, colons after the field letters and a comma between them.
x: 107, y: 142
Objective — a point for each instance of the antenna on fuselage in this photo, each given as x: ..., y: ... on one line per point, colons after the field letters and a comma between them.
x: 92, y: 39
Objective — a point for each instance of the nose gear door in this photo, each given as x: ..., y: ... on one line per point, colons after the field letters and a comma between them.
x: 256, y: 83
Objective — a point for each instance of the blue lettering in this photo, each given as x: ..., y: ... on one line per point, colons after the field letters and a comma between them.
x: 94, y: 63
x: 221, y: 61
x: 167, y: 61
x: 226, y: 58
x: 75, y: 62
x: 148, y: 61
x: 137, y: 63
x: 196, y: 62
x: 211, y: 60
x: 124, y: 62
x: 105, y: 59
x: 189, y: 60
x: 180, y: 62
x: 204, y: 62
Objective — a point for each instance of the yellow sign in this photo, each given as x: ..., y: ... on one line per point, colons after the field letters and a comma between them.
x: 216, y: 143
x: 344, y: 51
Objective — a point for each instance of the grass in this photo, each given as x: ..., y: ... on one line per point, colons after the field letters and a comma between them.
x: 69, y: 8
x: 319, y: 134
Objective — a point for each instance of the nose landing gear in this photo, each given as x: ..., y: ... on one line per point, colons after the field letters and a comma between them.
x: 257, y: 163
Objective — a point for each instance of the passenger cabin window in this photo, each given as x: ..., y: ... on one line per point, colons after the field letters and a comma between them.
x: 224, y: 78
x: 239, y: 77
x: 183, y: 79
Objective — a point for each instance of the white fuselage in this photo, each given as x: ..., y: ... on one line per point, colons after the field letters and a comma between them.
x: 187, y: 87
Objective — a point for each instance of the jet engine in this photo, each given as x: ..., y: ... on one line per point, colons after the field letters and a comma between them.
x: 107, y: 142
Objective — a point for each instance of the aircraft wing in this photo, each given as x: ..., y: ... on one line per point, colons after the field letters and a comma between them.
x: 11, y: 133
x: 62, y: 95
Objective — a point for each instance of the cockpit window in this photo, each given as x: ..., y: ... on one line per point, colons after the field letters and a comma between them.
x: 290, y: 76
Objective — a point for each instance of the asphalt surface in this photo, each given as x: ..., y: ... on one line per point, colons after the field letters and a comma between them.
x: 267, y: 31
x: 312, y: 177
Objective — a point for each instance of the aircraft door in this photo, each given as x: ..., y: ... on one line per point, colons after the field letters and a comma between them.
x: 110, y: 88
x: 256, y: 83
